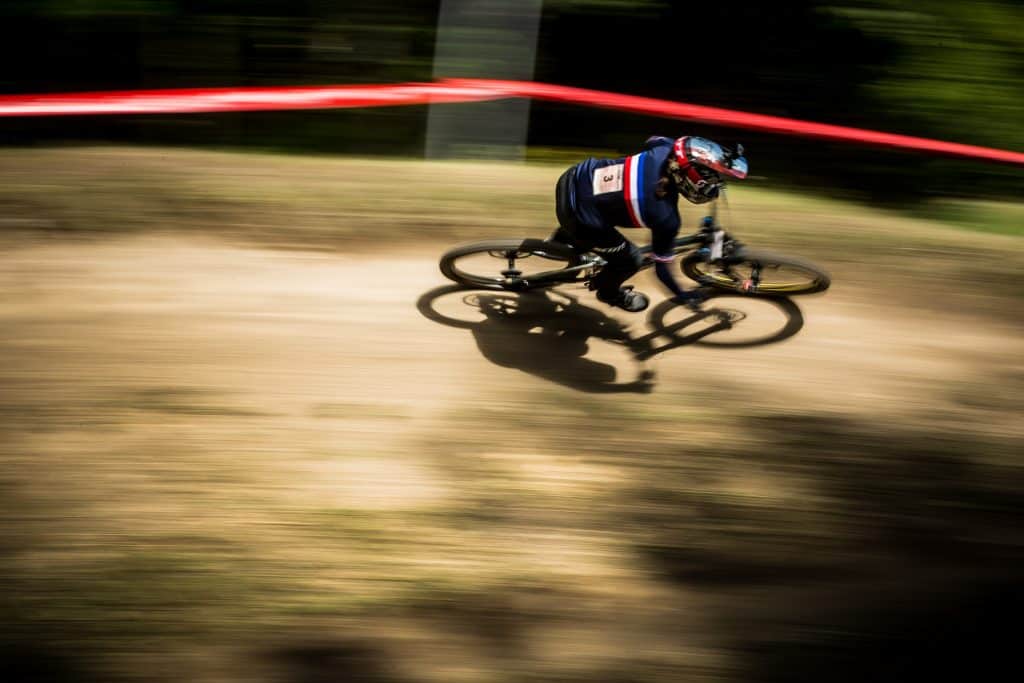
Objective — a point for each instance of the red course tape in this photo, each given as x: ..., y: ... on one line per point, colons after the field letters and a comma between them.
x: 460, y: 90
x: 194, y: 101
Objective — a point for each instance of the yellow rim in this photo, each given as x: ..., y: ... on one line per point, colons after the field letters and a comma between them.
x: 765, y: 287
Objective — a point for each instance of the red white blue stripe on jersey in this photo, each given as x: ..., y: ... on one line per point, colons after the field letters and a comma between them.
x: 633, y: 190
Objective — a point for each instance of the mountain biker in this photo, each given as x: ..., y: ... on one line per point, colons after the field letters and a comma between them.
x: 640, y: 191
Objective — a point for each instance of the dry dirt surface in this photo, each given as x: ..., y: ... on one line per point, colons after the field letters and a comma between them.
x: 339, y: 460
x: 286, y: 332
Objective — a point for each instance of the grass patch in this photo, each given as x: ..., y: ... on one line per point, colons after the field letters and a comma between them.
x: 1003, y: 218
x: 358, y: 411
x: 181, y: 401
x: 345, y: 202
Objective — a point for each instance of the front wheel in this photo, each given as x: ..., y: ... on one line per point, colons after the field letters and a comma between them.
x: 511, y: 264
x: 750, y: 271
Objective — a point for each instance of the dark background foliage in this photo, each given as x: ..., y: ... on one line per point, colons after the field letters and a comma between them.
x: 945, y: 69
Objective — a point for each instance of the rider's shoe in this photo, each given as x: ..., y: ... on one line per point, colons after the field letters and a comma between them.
x: 626, y: 299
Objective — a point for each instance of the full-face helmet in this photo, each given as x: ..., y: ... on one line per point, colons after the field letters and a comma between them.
x: 699, y: 167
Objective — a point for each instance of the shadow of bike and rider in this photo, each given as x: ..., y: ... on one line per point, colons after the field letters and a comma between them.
x: 551, y: 335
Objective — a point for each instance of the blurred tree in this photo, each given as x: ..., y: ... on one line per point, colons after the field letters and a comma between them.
x: 483, y: 39
x: 955, y: 71
x: 950, y: 69
x: 944, y: 68
x: 957, y: 68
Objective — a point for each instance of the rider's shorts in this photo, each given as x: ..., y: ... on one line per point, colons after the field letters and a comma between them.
x: 563, y: 200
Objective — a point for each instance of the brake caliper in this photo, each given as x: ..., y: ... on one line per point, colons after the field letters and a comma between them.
x: 749, y: 285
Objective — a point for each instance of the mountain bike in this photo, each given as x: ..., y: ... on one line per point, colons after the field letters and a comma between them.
x: 711, y: 257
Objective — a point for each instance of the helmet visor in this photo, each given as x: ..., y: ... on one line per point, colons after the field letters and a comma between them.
x: 726, y: 163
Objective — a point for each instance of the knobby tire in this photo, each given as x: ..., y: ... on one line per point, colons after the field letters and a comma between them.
x: 547, y: 254
x: 803, y: 276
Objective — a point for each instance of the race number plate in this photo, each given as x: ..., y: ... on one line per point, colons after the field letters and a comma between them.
x: 608, y: 179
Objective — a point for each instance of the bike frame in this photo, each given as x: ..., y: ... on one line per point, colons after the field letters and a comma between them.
x: 710, y: 257
x: 589, y: 261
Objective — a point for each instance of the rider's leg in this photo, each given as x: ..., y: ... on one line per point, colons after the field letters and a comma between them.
x: 623, y: 260
x: 562, y: 236
x: 622, y: 257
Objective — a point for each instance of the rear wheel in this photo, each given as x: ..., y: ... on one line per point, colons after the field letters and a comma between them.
x: 751, y: 271
x: 508, y: 264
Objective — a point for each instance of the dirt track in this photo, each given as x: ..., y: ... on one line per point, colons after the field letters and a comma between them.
x: 162, y: 390
x: 240, y: 439
x: 285, y: 331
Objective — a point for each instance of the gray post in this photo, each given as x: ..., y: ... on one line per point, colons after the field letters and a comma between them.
x: 483, y: 39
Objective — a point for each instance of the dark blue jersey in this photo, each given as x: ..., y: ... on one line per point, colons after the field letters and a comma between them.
x: 622, y: 192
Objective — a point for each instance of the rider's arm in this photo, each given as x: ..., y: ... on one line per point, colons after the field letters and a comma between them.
x: 664, y: 272
x: 656, y: 140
